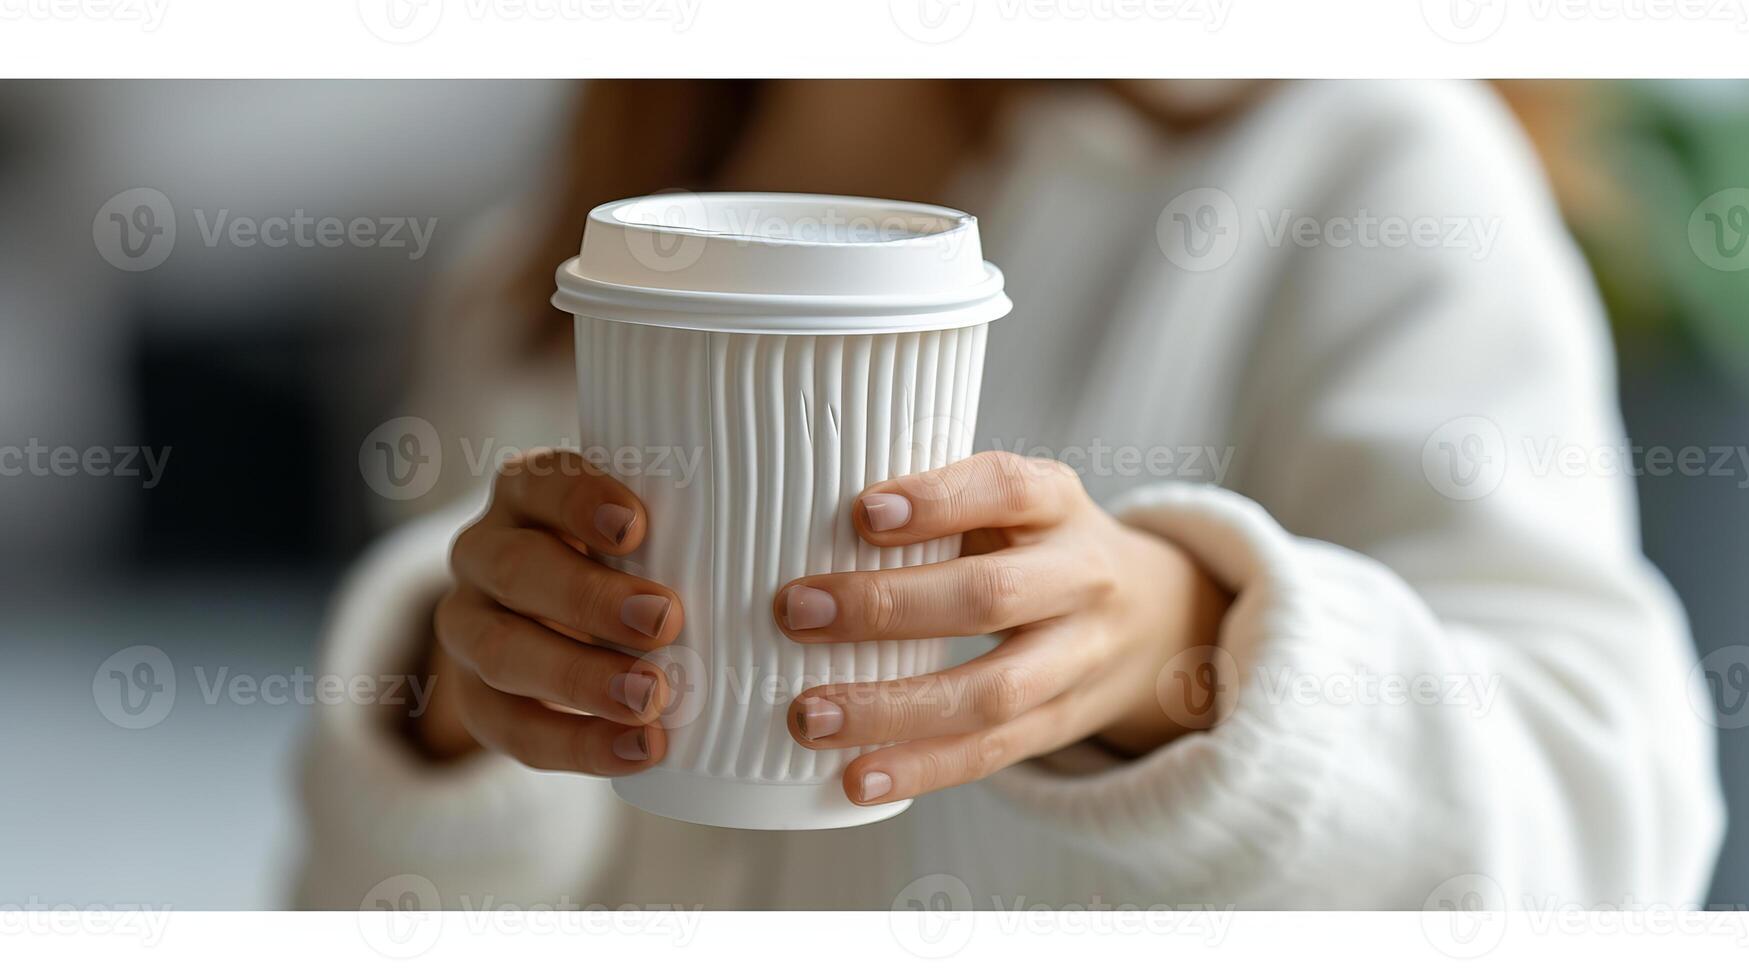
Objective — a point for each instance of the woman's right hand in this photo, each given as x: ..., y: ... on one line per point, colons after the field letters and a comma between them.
x: 526, y: 618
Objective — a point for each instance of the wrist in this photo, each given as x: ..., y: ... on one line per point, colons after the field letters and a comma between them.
x: 1184, y: 636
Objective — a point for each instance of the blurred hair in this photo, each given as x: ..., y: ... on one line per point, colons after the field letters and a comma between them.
x: 632, y: 137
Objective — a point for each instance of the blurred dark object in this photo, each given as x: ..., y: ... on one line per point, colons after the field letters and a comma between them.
x: 243, y: 413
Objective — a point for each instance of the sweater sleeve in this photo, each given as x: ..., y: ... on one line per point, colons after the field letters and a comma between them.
x: 485, y: 830
x: 1455, y: 663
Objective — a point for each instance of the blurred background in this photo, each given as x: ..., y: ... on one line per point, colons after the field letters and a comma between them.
x: 261, y: 370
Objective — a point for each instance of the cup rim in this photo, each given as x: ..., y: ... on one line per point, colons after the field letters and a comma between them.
x: 778, y: 313
x: 794, y: 284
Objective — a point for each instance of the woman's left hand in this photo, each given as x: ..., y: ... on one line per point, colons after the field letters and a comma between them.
x: 1093, y: 612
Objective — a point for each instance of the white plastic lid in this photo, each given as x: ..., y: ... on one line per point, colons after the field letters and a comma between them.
x: 781, y: 263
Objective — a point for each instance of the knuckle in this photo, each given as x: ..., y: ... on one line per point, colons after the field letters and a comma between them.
x: 1003, y: 696
x: 1102, y: 577
x: 1066, y: 482
x: 465, y: 547
x: 577, y: 682
x: 500, y: 567
x: 932, y: 769
x: 995, y: 589
x: 1015, y: 482
x: 988, y: 753
x: 1058, y: 472
x: 588, y: 595
x: 879, y: 605
x: 928, y: 484
x: 895, y: 715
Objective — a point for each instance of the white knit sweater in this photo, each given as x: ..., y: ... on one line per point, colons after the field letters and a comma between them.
x: 1463, y: 665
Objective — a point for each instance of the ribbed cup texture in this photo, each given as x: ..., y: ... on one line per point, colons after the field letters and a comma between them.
x: 749, y: 451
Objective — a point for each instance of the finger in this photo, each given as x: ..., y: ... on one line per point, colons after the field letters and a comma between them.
x: 542, y: 738
x: 990, y: 489
x: 516, y: 655
x: 1027, y: 670
x: 563, y: 492
x: 905, y: 771
x: 967, y: 596
x: 536, y: 574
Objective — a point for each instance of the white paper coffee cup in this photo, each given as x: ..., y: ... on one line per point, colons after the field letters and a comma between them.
x: 747, y: 364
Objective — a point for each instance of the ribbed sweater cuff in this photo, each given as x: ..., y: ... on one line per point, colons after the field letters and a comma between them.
x: 1212, y: 802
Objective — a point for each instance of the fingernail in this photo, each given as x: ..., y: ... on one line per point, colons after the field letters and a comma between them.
x: 875, y: 784
x: 633, y: 690
x: 644, y: 613
x: 614, y: 522
x: 886, y: 511
x: 632, y: 746
x: 818, y: 718
x: 808, y: 609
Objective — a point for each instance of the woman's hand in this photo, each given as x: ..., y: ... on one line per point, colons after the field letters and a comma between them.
x: 1093, y: 611
x: 522, y: 623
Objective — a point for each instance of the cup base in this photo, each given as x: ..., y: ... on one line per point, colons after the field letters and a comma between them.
x: 748, y: 806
